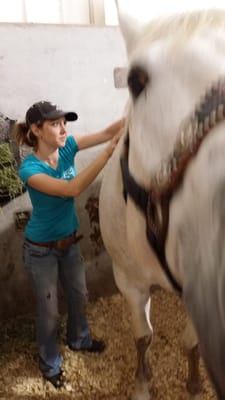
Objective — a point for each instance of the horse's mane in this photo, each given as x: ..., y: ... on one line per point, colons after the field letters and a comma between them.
x: 183, y: 25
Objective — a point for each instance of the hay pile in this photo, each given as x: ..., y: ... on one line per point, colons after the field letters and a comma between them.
x: 10, y: 184
x: 109, y: 376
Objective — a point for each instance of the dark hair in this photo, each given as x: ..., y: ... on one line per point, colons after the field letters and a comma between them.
x: 24, y: 135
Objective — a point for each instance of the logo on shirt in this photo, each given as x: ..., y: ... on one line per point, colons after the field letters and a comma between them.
x: 68, y: 174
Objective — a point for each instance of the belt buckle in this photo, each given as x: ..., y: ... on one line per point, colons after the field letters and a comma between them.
x: 63, y: 244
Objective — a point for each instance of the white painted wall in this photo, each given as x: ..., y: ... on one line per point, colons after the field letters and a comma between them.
x: 72, y: 66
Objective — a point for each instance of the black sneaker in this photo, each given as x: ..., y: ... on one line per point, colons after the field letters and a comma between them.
x: 56, y: 380
x: 97, y: 346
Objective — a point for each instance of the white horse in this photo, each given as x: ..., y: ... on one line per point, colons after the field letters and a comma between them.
x: 162, y: 200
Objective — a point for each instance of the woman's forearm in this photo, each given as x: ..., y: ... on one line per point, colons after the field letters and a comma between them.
x: 78, y: 184
x: 114, y: 128
x: 103, y: 136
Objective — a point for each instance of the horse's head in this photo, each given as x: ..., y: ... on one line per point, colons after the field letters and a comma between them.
x: 174, y: 65
x: 172, y: 61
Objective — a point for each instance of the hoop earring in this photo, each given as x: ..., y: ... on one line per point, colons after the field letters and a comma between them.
x: 28, y: 136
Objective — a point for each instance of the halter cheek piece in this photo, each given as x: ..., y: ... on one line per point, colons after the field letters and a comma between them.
x: 155, y: 202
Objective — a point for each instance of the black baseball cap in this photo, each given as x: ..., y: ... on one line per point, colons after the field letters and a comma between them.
x: 45, y: 110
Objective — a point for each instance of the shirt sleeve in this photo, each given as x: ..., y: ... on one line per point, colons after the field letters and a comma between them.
x: 29, y: 168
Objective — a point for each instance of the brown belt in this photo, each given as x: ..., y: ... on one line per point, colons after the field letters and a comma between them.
x: 61, y: 244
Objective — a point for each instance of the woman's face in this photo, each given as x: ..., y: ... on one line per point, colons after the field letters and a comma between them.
x: 53, y: 133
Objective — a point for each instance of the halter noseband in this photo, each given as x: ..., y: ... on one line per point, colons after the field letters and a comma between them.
x: 155, y: 202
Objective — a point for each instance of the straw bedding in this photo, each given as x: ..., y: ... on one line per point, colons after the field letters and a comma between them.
x: 109, y: 376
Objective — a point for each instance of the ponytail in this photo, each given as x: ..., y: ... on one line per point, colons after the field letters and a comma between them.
x: 24, y: 135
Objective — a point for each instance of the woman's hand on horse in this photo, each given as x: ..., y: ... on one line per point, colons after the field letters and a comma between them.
x: 114, y: 128
x: 112, y: 144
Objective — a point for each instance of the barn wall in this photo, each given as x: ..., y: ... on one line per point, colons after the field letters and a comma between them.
x: 72, y: 66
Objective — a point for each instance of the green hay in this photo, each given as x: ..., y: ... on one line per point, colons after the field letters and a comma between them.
x: 10, y: 183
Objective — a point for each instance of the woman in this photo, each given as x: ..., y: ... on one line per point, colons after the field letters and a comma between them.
x: 51, y: 251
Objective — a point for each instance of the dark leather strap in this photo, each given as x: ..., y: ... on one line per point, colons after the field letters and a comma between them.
x: 59, y: 244
x: 142, y: 199
x: 42, y: 244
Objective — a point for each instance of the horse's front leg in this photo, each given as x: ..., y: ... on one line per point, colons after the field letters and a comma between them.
x: 193, y: 356
x: 143, y: 341
x: 139, y: 304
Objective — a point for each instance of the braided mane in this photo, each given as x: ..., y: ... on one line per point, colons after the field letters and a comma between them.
x: 210, y: 111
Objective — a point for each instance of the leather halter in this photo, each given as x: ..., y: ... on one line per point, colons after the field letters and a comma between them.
x: 155, y: 202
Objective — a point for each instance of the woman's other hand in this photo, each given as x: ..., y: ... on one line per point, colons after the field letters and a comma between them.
x: 113, y: 142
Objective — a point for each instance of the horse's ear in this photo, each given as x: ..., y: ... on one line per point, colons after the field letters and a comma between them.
x: 129, y: 26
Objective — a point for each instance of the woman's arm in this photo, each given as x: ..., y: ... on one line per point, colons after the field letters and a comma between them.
x: 74, y: 187
x: 92, y: 139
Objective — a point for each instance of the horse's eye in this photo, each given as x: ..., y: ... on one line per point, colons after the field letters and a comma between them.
x: 137, y: 80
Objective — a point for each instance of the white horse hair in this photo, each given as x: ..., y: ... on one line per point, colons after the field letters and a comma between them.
x: 172, y: 63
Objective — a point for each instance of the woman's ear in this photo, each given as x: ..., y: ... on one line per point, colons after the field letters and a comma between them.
x: 35, y: 129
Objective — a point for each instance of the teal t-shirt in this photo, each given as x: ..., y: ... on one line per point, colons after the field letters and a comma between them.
x: 52, y: 217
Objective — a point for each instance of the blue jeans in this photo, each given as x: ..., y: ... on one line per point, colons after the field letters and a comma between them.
x: 47, y: 266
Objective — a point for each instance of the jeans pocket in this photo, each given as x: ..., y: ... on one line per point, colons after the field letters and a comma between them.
x: 32, y: 251
x: 39, y: 251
